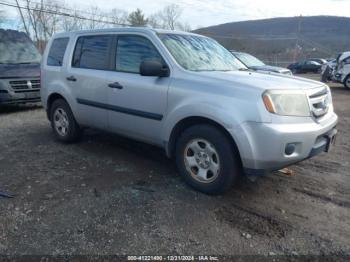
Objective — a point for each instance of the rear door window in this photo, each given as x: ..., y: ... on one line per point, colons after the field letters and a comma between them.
x: 132, y: 51
x: 57, y: 51
x: 93, y: 52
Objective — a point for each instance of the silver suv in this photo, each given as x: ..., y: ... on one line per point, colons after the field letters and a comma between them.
x: 188, y: 95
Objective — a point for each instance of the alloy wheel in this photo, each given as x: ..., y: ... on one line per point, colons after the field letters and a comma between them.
x: 61, y: 122
x: 202, y: 160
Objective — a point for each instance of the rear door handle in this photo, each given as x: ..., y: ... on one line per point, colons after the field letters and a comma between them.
x: 115, y: 85
x: 71, y: 78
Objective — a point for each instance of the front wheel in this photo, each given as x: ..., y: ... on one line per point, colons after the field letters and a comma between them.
x: 207, y: 160
x: 63, y: 123
x: 347, y: 82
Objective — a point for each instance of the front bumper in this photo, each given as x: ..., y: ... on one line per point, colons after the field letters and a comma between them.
x: 7, y: 97
x: 262, y: 146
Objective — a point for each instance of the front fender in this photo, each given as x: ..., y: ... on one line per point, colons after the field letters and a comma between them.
x: 195, y: 110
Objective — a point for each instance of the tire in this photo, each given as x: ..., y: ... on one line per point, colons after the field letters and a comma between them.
x: 63, y: 123
x: 347, y: 82
x: 205, y: 147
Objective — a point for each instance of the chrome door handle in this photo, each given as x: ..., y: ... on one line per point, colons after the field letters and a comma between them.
x: 115, y: 85
x: 71, y: 78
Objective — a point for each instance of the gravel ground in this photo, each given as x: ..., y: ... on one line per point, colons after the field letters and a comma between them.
x: 110, y: 195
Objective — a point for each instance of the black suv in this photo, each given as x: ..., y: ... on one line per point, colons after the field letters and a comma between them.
x: 19, y: 68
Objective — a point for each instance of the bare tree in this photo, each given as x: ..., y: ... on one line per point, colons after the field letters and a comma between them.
x: 170, y: 16
x: 23, y: 19
x: 72, y: 22
x: 184, y: 27
x: 40, y: 20
x: 95, y: 16
x: 118, y: 16
x: 155, y: 21
x: 49, y: 23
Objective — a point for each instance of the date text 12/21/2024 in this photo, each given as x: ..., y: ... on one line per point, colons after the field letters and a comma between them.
x: 173, y: 258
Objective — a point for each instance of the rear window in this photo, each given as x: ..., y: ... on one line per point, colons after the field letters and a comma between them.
x: 93, y: 52
x: 57, y: 50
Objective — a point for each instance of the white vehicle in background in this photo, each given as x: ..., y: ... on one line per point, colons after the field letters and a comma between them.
x: 332, y: 64
x: 328, y: 70
x: 342, y: 73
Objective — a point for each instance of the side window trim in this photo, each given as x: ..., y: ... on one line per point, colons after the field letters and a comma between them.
x: 75, y: 50
x: 110, y: 51
x: 60, y: 63
x: 115, y: 47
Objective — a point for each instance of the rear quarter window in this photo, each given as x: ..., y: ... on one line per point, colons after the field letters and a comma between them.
x: 57, y: 51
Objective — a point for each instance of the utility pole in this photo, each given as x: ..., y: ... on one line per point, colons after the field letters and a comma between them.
x: 23, y: 19
x: 297, y: 41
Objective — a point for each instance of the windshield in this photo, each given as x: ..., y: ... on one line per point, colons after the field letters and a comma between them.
x: 17, y: 48
x: 249, y: 60
x: 197, y: 53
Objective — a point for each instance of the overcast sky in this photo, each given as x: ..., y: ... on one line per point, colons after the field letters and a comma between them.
x: 211, y: 12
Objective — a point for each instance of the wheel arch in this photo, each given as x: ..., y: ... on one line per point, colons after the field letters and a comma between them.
x: 187, y: 122
x: 52, y: 97
x: 345, y: 79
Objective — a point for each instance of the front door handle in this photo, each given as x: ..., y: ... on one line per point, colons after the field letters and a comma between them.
x: 115, y: 85
x: 71, y: 78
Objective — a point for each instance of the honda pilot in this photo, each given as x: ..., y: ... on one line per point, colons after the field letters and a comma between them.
x: 189, y: 95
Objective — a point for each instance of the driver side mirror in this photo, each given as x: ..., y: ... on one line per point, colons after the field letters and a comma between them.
x: 154, y: 68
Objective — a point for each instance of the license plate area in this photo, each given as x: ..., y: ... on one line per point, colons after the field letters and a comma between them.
x: 32, y: 95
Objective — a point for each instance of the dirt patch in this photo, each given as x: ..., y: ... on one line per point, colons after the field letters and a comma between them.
x: 110, y: 195
x: 249, y: 220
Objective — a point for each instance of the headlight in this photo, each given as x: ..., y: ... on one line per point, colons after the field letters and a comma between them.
x: 286, y: 103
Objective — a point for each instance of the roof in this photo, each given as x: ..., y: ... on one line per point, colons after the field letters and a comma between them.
x: 145, y: 30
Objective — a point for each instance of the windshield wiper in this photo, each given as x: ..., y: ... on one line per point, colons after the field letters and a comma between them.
x: 243, y: 69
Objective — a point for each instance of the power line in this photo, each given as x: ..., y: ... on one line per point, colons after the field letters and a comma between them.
x: 67, y: 8
x: 62, y: 14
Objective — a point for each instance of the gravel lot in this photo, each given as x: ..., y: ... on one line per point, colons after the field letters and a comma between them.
x: 111, y: 195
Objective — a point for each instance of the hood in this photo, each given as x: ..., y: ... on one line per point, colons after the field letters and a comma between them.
x: 19, y: 70
x: 268, y: 68
x: 263, y: 81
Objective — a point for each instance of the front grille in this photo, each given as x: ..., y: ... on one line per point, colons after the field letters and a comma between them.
x: 25, y: 85
x: 319, y: 102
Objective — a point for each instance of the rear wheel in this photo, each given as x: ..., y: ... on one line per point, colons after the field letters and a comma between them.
x: 206, y: 159
x: 63, y: 123
x: 347, y: 82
